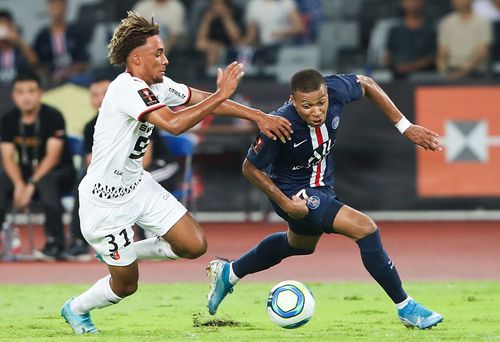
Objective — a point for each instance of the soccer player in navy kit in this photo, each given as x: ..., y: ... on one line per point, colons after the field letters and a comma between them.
x: 297, y: 176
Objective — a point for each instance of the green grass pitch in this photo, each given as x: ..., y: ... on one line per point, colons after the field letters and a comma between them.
x: 177, y: 312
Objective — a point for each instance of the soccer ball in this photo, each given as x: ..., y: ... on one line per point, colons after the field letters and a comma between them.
x: 290, y: 304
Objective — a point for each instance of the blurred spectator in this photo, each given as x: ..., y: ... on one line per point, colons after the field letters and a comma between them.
x: 488, y: 9
x: 220, y: 29
x: 15, y: 54
x: 169, y: 14
x: 311, y: 12
x: 411, y: 45
x: 36, y: 158
x: 79, y: 248
x: 60, y: 48
x: 270, y: 24
x: 463, y: 42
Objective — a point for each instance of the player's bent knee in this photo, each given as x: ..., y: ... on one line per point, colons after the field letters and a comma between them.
x: 367, y: 227
x: 197, y: 250
x: 124, y: 290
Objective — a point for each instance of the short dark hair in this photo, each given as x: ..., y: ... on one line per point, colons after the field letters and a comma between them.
x: 27, y: 76
x: 99, y: 78
x: 131, y: 33
x: 5, y: 14
x: 306, y: 81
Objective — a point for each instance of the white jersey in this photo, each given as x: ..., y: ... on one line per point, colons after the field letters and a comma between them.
x: 121, y: 137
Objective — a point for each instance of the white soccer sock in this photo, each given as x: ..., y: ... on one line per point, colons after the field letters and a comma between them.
x: 154, y: 248
x: 233, y: 278
x: 403, y: 303
x: 98, y: 296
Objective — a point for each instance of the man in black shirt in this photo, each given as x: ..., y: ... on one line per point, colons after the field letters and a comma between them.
x: 411, y: 45
x: 36, y: 159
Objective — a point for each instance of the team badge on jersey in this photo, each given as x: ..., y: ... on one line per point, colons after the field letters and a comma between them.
x: 258, y: 144
x: 335, y: 122
x: 148, y: 97
x: 313, y: 202
x: 115, y: 255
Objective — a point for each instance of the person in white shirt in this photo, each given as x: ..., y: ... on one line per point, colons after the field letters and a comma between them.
x: 169, y: 14
x: 117, y: 193
x: 270, y: 25
x: 487, y: 9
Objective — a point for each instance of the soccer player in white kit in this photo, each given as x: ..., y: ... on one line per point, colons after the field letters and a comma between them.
x: 117, y: 193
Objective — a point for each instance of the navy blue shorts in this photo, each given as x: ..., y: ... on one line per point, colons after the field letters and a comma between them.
x: 323, y: 206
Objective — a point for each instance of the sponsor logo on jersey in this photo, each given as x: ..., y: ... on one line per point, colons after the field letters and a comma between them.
x: 148, y: 97
x: 258, y: 144
x: 318, y: 155
x: 299, y: 143
x: 335, y: 122
x: 177, y: 93
x: 313, y: 202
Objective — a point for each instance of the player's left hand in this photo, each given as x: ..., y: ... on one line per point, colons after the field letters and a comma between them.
x: 298, y: 207
x: 423, y: 137
x: 275, y: 127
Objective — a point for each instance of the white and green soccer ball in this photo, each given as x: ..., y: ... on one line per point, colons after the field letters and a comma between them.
x: 290, y: 304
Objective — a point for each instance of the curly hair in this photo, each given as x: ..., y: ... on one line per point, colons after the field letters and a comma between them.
x: 131, y: 33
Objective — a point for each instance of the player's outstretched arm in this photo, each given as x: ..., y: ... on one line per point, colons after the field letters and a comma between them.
x: 179, y: 122
x: 417, y: 134
x: 295, y: 207
x: 274, y: 127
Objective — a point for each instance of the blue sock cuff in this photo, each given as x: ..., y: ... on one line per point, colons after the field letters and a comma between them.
x: 371, y: 243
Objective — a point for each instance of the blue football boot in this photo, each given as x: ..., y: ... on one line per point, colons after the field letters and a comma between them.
x: 81, y: 324
x: 414, y: 315
x: 218, y: 271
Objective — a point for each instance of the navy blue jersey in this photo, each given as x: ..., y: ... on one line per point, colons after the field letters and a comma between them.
x: 306, y: 161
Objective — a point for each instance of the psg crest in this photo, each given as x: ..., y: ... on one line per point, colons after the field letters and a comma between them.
x: 335, y: 122
x: 313, y: 202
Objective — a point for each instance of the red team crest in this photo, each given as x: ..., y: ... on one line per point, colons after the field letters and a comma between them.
x: 115, y: 255
x: 148, y: 97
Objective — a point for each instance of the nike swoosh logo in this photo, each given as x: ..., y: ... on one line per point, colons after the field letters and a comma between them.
x: 300, y: 143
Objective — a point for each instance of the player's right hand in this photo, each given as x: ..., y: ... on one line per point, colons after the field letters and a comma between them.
x: 423, y: 137
x: 227, y: 80
x: 298, y: 207
x: 274, y: 126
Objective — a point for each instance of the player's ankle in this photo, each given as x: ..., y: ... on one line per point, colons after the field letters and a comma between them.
x: 233, y: 278
x: 403, y: 303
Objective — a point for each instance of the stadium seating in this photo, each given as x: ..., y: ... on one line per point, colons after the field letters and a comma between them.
x: 182, y: 146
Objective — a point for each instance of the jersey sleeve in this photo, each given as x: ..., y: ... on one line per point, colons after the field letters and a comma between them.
x: 173, y: 94
x: 7, y: 129
x: 262, y: 152
x: 57, y: 126
x: 344, y: 88
x: 135, y: 98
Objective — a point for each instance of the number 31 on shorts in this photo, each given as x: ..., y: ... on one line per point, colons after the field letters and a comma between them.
x: 115, y: 240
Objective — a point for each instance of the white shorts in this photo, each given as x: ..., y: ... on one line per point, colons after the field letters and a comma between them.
x: 109, y: 229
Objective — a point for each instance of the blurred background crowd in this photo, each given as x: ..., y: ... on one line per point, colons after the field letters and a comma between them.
x: 402, y: 44
x: 66, y: 40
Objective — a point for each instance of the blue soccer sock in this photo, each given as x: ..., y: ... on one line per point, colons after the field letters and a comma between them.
x: 267, y: 253
x: 380, y: 266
